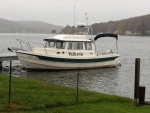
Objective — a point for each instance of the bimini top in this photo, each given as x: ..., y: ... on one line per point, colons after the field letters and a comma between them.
x: 106, y: 35
x: 80, y: 38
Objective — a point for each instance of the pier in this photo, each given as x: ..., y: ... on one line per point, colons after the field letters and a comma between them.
x: 7, y: 57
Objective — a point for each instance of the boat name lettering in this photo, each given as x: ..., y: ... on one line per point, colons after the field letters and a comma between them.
x: 75, y: 54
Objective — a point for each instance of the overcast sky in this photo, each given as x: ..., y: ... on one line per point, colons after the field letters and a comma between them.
x: 61, y: 12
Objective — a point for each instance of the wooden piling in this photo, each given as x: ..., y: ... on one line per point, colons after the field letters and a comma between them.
x: 137, y: 80
x: 142, y: 95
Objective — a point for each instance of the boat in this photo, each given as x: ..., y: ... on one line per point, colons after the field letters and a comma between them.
x: 68, y: 51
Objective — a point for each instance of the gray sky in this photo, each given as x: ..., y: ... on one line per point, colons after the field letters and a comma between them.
x: 61, y: 12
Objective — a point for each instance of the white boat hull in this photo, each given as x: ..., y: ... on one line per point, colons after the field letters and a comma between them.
x: 36, y: 61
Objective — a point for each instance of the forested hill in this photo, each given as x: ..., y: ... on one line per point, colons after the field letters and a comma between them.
x: 8, y: 26
x: 132, y: 26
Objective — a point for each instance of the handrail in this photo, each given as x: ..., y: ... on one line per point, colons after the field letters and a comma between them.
x: 22, y: 46
x: 28, y: 44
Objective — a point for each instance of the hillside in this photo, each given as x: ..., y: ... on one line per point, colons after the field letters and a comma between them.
x: 42, y: 27
x: 132, y: 26
x: 7, y: 26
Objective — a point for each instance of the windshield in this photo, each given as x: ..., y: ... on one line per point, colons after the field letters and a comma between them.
x: 50, y: 44
x: 60, y: 45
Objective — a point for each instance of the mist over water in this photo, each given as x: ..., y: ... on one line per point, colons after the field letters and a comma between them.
x: 115, y: 81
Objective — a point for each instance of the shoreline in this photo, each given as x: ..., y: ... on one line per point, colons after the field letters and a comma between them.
x: 30, y: 95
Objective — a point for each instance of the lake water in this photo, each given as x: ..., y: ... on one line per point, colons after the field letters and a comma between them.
x: 115, y: 81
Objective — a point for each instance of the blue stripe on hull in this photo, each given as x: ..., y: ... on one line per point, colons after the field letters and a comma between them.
x: 47, y: 58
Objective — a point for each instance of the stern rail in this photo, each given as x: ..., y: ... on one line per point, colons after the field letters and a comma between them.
x: 29, y: 45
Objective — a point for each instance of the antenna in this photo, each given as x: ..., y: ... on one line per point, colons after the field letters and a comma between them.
x: 86, y: 19
x: 87, y: 23
x: 74, y: 17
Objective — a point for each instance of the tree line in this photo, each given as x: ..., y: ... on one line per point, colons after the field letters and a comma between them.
x: 139, y: 26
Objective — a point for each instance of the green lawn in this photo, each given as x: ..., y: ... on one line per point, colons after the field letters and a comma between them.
x: 36, y: 96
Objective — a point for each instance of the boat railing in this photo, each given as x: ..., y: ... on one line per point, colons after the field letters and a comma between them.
x: 91, y: 31
x: 111, y: 50
x: 29, y: 48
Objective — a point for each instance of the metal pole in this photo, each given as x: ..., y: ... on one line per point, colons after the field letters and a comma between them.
x: 21, y: 45
x: 1, y: 66
x: 10, y: 83
x: 117, y: 46
x: 74, y: 16
x: 29, y: 46
x: 137, y: 80
x: 77, y: 87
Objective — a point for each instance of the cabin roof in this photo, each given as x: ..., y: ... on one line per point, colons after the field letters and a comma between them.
x: 80, y: 38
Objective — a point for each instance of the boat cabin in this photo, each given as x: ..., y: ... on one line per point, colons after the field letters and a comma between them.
x: 68, y: 45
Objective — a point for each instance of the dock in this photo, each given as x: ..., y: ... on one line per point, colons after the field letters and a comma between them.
x: 7, y: 57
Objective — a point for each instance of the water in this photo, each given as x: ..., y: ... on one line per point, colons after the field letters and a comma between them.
x: 115, y: 81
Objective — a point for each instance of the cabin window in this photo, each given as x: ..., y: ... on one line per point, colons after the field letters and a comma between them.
x: 70, y: 45
x: 75, y: 46
x: 88, y: 46
x: 50, y: 44
x: 78, y: 46
x: 60, y: 45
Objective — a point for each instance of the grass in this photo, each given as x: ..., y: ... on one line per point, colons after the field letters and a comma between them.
x: 36, y: 96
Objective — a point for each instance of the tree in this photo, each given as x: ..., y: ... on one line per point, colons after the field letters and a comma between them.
x: 53, y: 31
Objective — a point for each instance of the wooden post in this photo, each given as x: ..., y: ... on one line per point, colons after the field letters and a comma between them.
x: 142, y: 94
x: 137, y: 80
